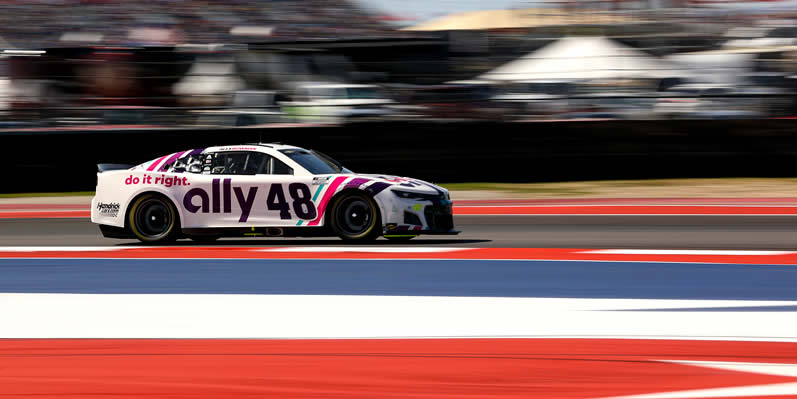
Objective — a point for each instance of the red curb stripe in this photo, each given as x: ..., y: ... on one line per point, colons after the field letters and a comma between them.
x: 552, y: 254
x: 362, y: 368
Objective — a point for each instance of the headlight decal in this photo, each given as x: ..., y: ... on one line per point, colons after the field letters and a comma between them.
x: 377, y: 188
x: 418, y: 196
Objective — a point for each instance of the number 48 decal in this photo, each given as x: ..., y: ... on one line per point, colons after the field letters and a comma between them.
x: 302, y: 202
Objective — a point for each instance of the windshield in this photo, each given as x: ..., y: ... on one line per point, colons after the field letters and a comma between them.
x: 315, y: 162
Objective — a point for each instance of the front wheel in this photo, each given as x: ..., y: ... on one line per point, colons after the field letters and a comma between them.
x: 355, y: 217
x: 153, y: 219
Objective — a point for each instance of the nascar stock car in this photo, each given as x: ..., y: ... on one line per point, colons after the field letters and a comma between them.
x: 262, y: 190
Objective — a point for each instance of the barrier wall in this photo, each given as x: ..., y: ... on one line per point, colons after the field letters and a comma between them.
x: 440, y: 152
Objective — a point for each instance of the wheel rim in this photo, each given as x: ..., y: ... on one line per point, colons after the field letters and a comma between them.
x: 153, y: 218
x: 355, y: 215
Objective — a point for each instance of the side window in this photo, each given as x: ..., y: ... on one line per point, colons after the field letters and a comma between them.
x: 239, y: 163
x: 279, y: 168
x: 248, y: 163
x: 189, y: 163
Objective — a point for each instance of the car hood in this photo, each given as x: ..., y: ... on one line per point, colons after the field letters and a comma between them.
x: 407, y: 184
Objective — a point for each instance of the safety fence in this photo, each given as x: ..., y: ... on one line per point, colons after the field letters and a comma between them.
x: 65, y: 160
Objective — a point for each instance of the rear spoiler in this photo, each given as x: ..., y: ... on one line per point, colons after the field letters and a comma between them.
x: 104, y: 167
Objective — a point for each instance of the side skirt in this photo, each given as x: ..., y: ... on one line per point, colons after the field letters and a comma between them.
x: 260, y: 232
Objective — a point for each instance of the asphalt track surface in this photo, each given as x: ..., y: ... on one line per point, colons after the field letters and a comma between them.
x: 507, y: 231
x: 189, y: 321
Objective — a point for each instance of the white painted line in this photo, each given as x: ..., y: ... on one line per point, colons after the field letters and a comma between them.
x: 353, y: 316
x: 388, y: 250
x: 684, y: 252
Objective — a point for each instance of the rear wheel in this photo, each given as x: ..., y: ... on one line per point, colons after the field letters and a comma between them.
x: 355, y: 217
x: 153, y: 219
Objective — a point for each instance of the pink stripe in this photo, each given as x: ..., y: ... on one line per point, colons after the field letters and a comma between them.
x: 325, y: 199
x: 156, y: 163
x: 171, y: 159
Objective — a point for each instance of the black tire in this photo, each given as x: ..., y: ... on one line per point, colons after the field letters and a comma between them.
x: 153, y: 219
x: 204, y: 239
x: 355, y: 217
x: 400, y: 238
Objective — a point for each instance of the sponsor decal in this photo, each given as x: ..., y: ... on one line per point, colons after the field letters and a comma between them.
x: 110, y: 209
x: 162, y: 180
x: 402, y: 181
x: 219, y: 200
x: 238, y: 148
x: 321, y: 180
x: 393, y: 179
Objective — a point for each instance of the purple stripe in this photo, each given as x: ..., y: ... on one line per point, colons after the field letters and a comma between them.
x: 197, y: 151
x: 377, y: 188
x: 171, y: 160
x: 356, y: 183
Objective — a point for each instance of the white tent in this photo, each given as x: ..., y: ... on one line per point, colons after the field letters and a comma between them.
x: 583, y: 58
x: 717, y: 66
x: 209, y: 77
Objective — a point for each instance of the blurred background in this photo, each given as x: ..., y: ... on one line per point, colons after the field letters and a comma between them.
x: 246, y: 63
x: 553, y: 90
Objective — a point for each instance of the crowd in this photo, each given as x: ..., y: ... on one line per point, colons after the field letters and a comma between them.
x: 47, y: 23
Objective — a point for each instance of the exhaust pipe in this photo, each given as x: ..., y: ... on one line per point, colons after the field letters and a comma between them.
x: 274, y: 232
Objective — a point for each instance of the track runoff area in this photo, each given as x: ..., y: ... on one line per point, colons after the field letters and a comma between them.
x: 399, y: 321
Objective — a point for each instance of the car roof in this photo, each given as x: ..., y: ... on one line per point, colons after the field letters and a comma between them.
x: 263, y: 147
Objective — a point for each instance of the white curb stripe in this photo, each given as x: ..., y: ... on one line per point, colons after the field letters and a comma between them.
x: 344, y: 316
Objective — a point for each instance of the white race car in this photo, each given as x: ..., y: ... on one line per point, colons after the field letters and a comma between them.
x: 262, y: 190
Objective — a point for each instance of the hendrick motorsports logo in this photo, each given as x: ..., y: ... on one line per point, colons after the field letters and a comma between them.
x: 321, y: 180
x: 110, y: 209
